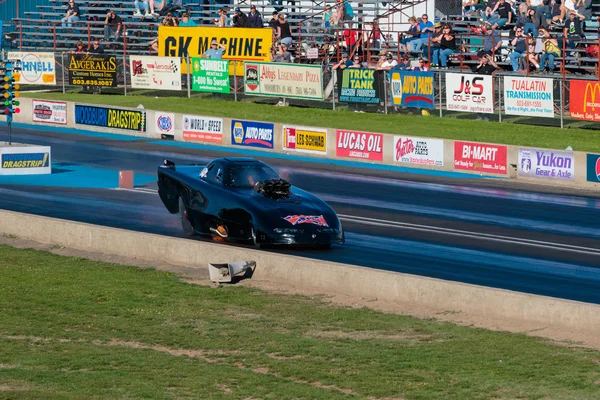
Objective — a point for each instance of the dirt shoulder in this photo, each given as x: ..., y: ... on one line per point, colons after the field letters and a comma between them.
x: 199, y: 276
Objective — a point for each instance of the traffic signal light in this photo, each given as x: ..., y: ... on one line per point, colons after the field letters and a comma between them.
x: 11, y: 93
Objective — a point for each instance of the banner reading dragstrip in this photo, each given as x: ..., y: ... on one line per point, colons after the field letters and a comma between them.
x: 283, y: 80
x: 92, y: 70
x: 155, y: 72
x: 36, y: 68
x: 244, y: 44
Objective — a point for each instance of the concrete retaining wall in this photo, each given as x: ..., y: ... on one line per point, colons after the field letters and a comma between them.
x: 314, y: 274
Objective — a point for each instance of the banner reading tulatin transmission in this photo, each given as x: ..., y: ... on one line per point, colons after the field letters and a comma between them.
x: 92, y: 70
x: 149, y: 72
x: 36, y: 68
x: 243, y: 44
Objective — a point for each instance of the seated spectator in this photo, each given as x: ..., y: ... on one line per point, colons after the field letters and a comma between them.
x: 72, y: 14
x: 169, y: 20
x: 284, y: 32
x: 423, y: 65
x: 139, y: 4
x: 426, y: 28
x: 254, y: 18
x: 524, y: 19
x: 327, y: 15
x: 520, y: 48
x: 447, y: 47
x: 491, y: 42
x: 584, y: 10
x: 216, y: 50
x: 343, y: 63
x: 486, y: 65
x: 356, y: 62
x: 404, y: 64
x: 504, y: 14
x: 414, y: 33
x: 431, y: 45
x: 78, y: 48
x: 186, y: 20
x: 96, y: 49
x: 112, y: 26
x: 389, y: 63
x: 572, y: 30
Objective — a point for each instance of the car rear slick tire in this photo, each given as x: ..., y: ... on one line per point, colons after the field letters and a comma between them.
x: 188, y: 229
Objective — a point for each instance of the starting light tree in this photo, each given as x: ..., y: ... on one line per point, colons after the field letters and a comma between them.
x: 9, y: 104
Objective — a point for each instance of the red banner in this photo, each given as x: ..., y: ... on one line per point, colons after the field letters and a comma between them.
x: 480, y: 157
x: 584, y: 98
x: 363, y: 145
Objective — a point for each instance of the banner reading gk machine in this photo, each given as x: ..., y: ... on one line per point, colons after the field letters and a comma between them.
x: 412, y: 89
x: 283, y: 80
x: 244, y: 44
x: 357, y: 85
x: 149, y: 72
x: 92, y: 70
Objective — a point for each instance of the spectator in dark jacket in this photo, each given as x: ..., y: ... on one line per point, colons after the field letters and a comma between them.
x: 240, y: 20
x: 254, y: 18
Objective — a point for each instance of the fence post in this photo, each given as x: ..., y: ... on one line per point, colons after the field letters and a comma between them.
x: 440, y: 86
x: 125, y: 74
x: 562, y: 111
x: 333, y: 81
x: 385, y: 92
x: 234, y: 80
x: 189, y: 67
x: 499, y: 99
x: 62, y: 60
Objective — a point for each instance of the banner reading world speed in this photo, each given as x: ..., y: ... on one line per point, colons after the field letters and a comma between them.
x: 36, y: 68
x: 92, y: 70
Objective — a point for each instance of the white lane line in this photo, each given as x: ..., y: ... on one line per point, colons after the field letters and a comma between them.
x: 442, y: 230
x: 469, y: 234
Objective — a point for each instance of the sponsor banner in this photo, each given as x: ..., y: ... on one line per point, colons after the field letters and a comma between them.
x: 363, y: 145
x: 421, y: 151
x: 243, y: 44
x: 30, y: 160
x: 202, y: 129
x: 529, y: 96
x: 253, y: 134
x: 50, y: 112
x: 593, y: 168
x: 584, y: 99
x: 357, y: 85
x: 92, y: 69
x: 164, y: 123
x: 109, y: 117
x: 36, y: 68
x: 283, y: 80
x: 210, y: 75
x: 305, y: 140
x: 470, y: 92
x: 412, y: 89
x: 155, y: 72
x: 480, y: 157
x: 538, y: 163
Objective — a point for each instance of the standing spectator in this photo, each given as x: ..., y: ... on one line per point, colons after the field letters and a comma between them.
x: 221, y: 22
x: 550, y: 52
x: 254, y: 18
x: 240, y: 20
x: 486, y: 66
x: 520, y: 44
x: 376, y: 35
x: 274, y: 23
x: 327, y: 15
x: 112, y: 26
x: 492, y: 41
x: 426, y: 28
x: 356, y: 62
x: 72, y: 14
x: 343, y: 64
x: 186, y: 20
x: 447, y: 42
x: 216, y: 50
x: 284, y: 32
x: 139, y: 4
x: 350, y: 38
x: 96, y: 49
x: 572, y: 30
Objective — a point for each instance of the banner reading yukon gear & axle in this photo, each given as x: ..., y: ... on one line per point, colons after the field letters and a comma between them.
x: 242, y: 44
x: 92, y: 70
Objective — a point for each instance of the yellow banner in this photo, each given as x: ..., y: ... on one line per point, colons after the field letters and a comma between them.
x: 241, y: 44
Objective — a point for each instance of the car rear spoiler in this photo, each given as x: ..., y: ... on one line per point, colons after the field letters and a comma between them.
x: 168, y: 164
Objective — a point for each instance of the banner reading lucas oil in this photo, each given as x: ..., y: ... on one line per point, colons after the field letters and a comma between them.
x: 241, y: 44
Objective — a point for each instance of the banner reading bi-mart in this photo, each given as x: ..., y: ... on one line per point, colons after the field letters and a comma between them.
x: 412, y: 89
x: 92, y: 70
x: 36, y: 68
x: 283, y: 80
x: 358, y: 85
x: 242, y: 44
x: 210, y: 75
x: 148, y: 72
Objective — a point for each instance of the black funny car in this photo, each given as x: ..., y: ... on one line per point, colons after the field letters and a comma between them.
x: 244, y: 200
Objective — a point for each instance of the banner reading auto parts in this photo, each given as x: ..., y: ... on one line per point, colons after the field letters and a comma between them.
x: 244, y: 44
x: 92, y: 70
x: 584, y: 98
x: 470, y: 93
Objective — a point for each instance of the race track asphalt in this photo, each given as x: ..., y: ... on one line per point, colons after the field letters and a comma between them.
x: 445, y: 225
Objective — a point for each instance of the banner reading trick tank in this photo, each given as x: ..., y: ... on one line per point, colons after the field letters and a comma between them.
x: 92, y: 70
x: 242, y: 44
x: 584, y: 99
x: 412, y: 89
x: 528, y: 96
x: 357, y: 85
x: 36, y: 68
x: 149, y: 72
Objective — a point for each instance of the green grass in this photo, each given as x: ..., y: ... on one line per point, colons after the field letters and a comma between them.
x: 446, y: 128
x: 74, y: 328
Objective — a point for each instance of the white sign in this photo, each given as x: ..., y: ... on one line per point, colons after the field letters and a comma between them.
x: 149, y: 72
x: 283, y: 80
x: 164, y: 123
x: 529, y: 96
x: 25, y: 160
x: 470, y: 93
x: 202, y: 129
x: 36, y: 68
x: 421, y: 151
x: 49, y: 112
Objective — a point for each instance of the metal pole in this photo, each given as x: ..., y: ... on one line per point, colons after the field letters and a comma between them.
x: 10, y: 132
x: 62, y: 60
x: 333, y: 82
x: 234, y: 80
x: 561, y: 104
x: 385, y: 92
x: 499, y: 100
x: 125, y: 74
x: 189, y: 67
x: 440, y: 90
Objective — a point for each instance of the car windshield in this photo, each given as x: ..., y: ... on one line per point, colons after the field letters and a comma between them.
x: 248, y: 176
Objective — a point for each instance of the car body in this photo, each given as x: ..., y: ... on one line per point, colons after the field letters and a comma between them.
x: 244, y: 200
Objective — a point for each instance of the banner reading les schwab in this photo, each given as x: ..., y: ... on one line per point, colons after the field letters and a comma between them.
x: 109, y: 117
x: 306, y: 140
x: 480, y: 157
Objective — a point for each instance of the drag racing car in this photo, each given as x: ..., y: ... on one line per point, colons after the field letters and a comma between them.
x: 244, y: 200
